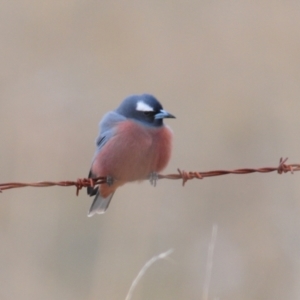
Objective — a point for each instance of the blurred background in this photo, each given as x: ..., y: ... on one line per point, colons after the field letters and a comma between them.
x: 228, y: 70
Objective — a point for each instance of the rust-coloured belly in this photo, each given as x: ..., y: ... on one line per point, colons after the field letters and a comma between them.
x: 134, y: 152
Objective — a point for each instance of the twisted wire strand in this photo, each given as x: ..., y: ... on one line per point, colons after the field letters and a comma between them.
x: 183, y: 175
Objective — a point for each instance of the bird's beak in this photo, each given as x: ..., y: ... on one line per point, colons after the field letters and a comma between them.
x: 163, y: 114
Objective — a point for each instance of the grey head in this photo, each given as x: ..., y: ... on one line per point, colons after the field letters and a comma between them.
x: 144, y: 108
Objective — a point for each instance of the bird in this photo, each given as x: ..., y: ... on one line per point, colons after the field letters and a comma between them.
x: 133, y: 144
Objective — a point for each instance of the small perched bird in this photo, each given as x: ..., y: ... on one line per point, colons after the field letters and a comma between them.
x: 133, y: 145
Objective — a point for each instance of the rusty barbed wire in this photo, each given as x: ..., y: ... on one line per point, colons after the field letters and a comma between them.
x: 183, y: 175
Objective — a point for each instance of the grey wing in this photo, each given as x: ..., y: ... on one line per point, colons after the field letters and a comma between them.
x: 107, y: 128
x: 100, y: 142
x: 106, y: 131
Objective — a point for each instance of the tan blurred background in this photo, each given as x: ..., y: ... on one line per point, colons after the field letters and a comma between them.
x: 229, y: 71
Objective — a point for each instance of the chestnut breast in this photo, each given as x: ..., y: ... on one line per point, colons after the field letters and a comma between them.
x: 134, y: 152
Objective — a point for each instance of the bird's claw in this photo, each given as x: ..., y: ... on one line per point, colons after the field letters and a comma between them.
x: 153, y: 177
x: 109, y: 180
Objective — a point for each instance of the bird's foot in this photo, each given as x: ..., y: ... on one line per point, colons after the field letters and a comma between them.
x: 153, y: 177
x: 109, y: 180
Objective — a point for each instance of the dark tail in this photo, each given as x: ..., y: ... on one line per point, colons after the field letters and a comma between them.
x: 100, y: 204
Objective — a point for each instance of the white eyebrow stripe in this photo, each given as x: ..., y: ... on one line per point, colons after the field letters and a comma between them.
x: 142, y: 106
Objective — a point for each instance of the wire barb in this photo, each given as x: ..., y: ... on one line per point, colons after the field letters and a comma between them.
x: 183, y: 175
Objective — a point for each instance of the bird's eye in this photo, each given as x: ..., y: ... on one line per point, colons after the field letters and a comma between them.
x: 149, y: 113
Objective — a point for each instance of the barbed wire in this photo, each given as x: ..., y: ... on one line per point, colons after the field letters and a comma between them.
x: 183, y: 175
